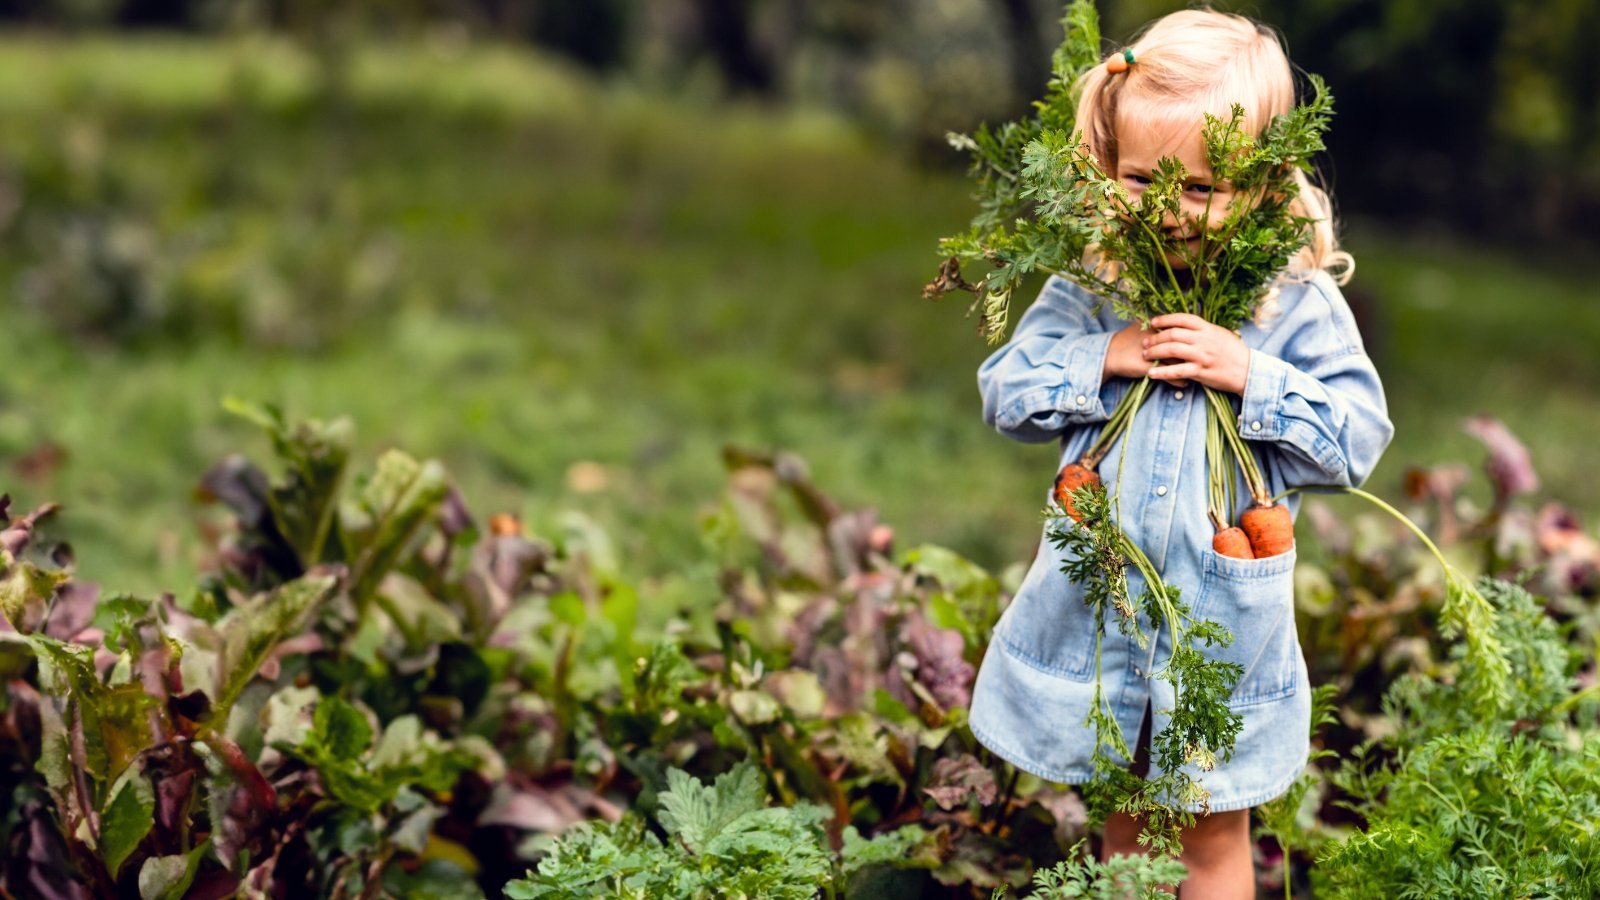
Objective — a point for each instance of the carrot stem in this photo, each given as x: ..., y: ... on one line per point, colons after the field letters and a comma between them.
x: 1120, y: 418
x: 1157, y: 585
x: 1401, y: 517
x: 1220, y: 472
x: 1253, y: 479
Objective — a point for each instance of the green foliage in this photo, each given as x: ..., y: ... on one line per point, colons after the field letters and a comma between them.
x: 1438, y: 812
x: 405, y: 757
x: 295, y: 736
x: 1290, y: 819
x: 254, y: 628
x: 723, y: 842
x: 821, y: 704
x: 1083, y: 876
x: 169, y: 877
x: 314, y: 455
x: 128, y: 818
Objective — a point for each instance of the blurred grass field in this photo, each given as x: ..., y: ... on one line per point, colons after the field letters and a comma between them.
x: 575, y: 294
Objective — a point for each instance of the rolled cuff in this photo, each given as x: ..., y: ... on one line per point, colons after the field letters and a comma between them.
x: 1264, y: 387
x: 1080, y: 398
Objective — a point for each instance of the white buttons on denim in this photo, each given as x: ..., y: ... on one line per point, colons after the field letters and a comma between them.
x: 1177, y: 395
x: 1255, y: 426
x: 1083, y: 400
x: 1161, y: 491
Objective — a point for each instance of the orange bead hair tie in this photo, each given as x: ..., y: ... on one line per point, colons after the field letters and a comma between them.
x: 1119, y: 64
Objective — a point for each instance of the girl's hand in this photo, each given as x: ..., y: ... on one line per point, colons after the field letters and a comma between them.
x: 1191, y: 348
x: 1125, y: 356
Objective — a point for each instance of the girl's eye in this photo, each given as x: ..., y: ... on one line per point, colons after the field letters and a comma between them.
x: 1140, y: 180
x: 1200, y: 188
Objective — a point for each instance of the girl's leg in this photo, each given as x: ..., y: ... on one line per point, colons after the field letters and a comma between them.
x: 1216, y: 850
x: 1218, y: 855
x: 1122, y: 830
x: 1122, y: 836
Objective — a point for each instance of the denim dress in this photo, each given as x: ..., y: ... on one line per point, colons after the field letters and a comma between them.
x: 1313, y: 411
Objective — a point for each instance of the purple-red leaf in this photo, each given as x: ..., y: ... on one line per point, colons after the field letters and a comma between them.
x: 958, y: 779
x: 1509, y: 466
x: 940, y: 665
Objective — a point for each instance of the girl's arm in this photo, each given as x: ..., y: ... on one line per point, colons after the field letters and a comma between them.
x: 1317, y: 396
x: 1048, y: 377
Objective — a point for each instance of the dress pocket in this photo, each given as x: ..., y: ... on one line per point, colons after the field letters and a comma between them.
x: 1253, y: 599
x: 1048, y: 626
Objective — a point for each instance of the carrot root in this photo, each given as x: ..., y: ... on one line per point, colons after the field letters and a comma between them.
x: 1071, y: 477
x: 1270, y: 529
x: 1232, y: 542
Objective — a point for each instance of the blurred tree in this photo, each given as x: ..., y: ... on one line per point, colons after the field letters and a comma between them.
x: 1031, y: 41
x: 726, y: 32
x: 593, y: 32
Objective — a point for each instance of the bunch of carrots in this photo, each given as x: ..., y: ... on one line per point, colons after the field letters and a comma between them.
x: 1265, y: 529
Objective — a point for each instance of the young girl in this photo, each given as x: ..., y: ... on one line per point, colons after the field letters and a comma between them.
x: 1311, y: 407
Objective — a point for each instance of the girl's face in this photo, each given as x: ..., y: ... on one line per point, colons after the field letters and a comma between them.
x: 1203, y: 203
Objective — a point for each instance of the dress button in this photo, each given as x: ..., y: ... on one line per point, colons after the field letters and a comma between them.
x: 1177, y: 395
x: 1161, y: 491
x: 1083, y: 400
x: 1255, y: 426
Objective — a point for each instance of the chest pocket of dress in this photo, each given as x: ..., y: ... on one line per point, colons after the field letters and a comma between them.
x: 1254, y: 599
x: 1048, y: 626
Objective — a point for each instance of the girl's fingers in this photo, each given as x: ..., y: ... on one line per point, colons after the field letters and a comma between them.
x: 1179, y: 320
x: 1184, y: 335
x: 1174, y: 372
x: 1173, y: 350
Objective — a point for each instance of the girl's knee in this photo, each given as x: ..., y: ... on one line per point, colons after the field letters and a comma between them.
x: 1218, y: 831
x: 1121, y: 836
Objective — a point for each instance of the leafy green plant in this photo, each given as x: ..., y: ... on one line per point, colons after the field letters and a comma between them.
x: 793, y: 725
x: 1478, y: 801
x: 369, y: 695
x: 722, y: 841
x: 167, y: 756
x: 1290, y: 819
x: 1117, y: 878
x: 1389, y: 614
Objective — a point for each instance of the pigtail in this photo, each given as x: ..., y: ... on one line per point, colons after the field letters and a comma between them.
x: 1323, y: 251
x: 1096, y: 90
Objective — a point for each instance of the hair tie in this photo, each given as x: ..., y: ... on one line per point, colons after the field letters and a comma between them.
x: 1118, y: 64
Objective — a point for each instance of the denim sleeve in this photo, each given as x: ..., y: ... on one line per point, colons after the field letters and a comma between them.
x: 1047, y: 378
x: 1319, y: 400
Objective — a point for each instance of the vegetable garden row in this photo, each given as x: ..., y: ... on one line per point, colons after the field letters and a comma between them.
x: 375, y: 691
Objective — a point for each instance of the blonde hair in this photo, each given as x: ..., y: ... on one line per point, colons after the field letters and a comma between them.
x: 1199, y: 61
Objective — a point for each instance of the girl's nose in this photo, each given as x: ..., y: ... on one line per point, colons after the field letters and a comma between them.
x: 1193, y: 212
x: 1183, y: 218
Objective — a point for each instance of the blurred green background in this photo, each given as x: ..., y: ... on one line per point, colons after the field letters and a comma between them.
x: 574, y: 248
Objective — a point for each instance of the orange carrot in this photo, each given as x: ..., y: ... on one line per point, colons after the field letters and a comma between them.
x: 1071, y: 477
x: 1232, y: 542
x: 1271, y: 529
